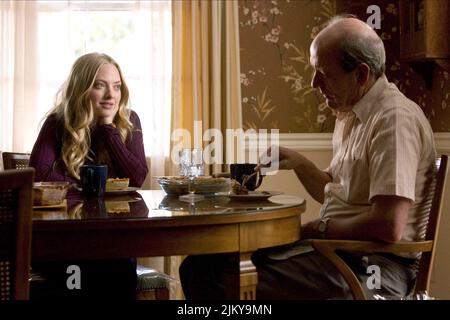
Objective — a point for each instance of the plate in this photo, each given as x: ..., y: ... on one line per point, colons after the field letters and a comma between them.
x: 251, y: 196
x: 53, y: 206
x: 121, y: 191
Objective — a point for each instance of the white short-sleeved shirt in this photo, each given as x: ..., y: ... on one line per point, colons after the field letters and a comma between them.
x: 385, y: 146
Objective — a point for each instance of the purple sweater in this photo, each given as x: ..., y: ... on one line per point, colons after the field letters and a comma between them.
x: 128, y: 160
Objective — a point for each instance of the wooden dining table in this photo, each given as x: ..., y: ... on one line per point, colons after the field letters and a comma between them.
x: 148, y: 223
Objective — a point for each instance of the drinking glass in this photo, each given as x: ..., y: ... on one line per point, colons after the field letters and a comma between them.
x: 191, y: 165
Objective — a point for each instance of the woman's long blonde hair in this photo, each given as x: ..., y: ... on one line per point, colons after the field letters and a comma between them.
x: 74, y: 108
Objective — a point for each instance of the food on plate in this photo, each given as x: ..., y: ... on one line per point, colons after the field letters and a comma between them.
x: 113, y: 184
x: 117, y: 206
x: 236, y: 188
x: 49, y: 193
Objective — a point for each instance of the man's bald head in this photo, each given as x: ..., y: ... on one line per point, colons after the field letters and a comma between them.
x: 338, y: 27
x: 355, y: 43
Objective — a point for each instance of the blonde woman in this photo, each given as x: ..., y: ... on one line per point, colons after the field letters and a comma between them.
x: 91, y: 123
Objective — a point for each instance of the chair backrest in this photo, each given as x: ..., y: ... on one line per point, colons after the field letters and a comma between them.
x: 16, y: 187
x: 15, y: 160
x: 426, y: 259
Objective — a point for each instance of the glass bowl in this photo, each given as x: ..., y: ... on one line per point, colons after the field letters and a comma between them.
x: 179, y: 185
x: 49, y: 193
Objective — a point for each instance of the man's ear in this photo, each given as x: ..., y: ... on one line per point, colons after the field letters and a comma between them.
x: 363, y: 72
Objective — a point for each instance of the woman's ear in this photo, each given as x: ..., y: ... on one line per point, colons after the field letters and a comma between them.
x: 363, y: 72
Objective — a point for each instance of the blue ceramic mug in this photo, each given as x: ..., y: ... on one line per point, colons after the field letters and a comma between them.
x: 93, y: 179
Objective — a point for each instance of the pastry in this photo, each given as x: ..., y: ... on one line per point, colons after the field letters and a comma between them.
x: 117, y: 206
x: 113, y: 184
x: 236, y: 188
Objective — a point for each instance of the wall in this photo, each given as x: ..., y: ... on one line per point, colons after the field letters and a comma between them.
x: 275, y: 72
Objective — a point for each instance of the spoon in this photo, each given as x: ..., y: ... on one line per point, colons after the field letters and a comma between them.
x: 246, y: 178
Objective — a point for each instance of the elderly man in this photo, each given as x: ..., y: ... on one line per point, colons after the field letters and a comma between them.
x: 374, y: 188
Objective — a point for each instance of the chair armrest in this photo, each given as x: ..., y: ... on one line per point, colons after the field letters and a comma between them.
x: 373, y: 246
x: 328, y: 247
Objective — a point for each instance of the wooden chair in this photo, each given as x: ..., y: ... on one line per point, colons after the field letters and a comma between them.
x: 427, y: 247
x: 15, y: 160
x: 152, y: 285
x: 16, y: 194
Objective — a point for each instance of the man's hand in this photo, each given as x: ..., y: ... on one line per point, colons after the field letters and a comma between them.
x: 289, y: 159
x: 312, y: 178
x: 280, y: 158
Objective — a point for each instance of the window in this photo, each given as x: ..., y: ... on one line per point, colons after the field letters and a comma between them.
x: 137, y: 34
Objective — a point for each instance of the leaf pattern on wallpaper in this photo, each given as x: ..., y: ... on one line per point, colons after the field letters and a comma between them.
x: 445, y: 100
x: 250, y: 125
x: 274, y: 38
x: 298, y: 74
x: 262, y: 108
x: 328, y: 9
x: 276, y: 89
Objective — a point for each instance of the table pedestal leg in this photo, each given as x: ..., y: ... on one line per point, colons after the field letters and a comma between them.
x: 248, y: 278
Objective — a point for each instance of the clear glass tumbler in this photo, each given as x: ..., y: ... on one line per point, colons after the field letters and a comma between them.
x: 191, y: 165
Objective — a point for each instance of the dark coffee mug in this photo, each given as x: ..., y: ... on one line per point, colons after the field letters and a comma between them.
x: 93, y: 179
x: 239, y: 170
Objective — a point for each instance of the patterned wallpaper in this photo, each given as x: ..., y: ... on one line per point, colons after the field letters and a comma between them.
x: 275, y: 73
x: 275, y: 70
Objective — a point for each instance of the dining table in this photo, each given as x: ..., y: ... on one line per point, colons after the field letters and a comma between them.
x: 146, y: 223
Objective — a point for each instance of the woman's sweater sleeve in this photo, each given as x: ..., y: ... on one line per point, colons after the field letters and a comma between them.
x: 45, y: 152
x: 128, y: 159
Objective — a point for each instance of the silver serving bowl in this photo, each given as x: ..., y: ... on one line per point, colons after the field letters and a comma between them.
x: 178, y: 185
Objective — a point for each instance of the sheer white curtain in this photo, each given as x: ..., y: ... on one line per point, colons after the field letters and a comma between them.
x: 41, y: 39
x: 18, y: 74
